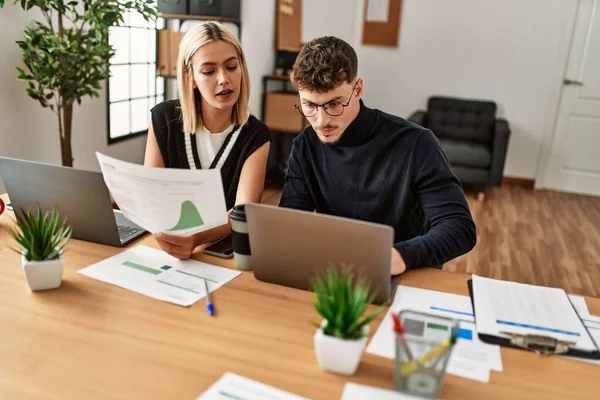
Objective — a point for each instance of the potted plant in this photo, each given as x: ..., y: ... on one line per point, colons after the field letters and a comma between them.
x: 280, y: 68
x: 342, y: 335
x: 42, y: 238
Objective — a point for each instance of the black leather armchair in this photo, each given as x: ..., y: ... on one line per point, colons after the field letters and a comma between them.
x: 473, y: 138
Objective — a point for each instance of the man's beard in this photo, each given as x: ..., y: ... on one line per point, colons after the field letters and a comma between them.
x: 329, y: 143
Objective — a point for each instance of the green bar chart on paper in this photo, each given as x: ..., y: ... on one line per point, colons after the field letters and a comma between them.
x: 140, y: 267
x: 189, y: 218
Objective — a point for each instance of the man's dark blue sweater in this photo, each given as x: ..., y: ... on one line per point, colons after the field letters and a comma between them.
x: 387, y: 170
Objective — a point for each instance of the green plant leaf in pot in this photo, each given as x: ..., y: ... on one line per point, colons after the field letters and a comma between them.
x: 41, y: 236
x: 343, y: 303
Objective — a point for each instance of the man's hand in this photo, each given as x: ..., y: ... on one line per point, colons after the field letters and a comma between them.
x: 397, y: 265
x: 181, y: 247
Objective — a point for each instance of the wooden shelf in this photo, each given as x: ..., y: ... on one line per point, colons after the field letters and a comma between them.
x: 200, y: 17
x: 277, y: 77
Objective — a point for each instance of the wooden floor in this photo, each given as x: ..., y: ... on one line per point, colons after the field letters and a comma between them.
x: 537, y: 237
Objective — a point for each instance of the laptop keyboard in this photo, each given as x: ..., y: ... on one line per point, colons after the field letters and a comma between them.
x: 127, y: 231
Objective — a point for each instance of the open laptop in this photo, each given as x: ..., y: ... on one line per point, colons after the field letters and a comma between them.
x: 80, y: 196
x: 291, y: 247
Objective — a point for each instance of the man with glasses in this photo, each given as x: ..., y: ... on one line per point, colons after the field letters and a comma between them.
x: 362, y: 163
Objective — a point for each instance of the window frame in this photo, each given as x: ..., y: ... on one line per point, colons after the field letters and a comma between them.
x: 159, y: 89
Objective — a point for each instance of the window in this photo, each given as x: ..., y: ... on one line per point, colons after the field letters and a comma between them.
x: 133, y: 88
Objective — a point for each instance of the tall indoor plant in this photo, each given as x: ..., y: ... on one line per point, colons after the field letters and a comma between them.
x: 67, y: 54
x: 342, y: 334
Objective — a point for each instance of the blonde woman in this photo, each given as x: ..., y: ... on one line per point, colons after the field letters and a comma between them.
x: 210, y: 126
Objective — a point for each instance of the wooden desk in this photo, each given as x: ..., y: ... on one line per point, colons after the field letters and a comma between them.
x: 89, y: 339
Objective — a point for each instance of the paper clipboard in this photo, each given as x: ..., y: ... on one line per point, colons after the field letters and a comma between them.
x: 536, y: 343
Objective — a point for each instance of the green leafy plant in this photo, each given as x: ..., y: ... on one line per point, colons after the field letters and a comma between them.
x: 67, y: 55
x: 280, y: 62
x: 343, y: 303
x: 41, y: 236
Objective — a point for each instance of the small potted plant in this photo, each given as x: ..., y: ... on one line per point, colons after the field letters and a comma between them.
x: 42, y: 238
x: 342, y: 335
x: 280, y: 67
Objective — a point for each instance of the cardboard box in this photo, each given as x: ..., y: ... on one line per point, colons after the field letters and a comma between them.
x: 280, y: 114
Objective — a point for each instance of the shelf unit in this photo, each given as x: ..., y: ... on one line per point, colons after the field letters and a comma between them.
x: 199, y: 17
x: 283, y: 120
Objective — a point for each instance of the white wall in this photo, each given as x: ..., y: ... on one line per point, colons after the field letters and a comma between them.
x: 29, y: 131
x: 330, y: 18
x: 506, y: 51
x: 258, y: 41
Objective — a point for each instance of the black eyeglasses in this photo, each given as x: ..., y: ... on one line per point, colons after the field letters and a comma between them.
x: 333, y: 108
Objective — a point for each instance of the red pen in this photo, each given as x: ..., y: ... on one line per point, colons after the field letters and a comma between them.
x: 400, y: 333
x: 397, y: 325
x: 1, y: 206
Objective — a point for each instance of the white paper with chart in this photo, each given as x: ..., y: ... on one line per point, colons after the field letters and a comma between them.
x: 175, y: 201
x: 156, y: 274
x: 355, y: 391
x: 235, y: 387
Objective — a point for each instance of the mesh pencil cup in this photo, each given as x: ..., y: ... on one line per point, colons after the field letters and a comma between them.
x: 422, y: 353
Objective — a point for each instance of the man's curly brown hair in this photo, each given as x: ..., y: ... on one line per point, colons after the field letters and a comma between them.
x: 323, y: 64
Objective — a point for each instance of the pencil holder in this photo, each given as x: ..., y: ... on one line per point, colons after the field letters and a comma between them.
x: 422, y: 353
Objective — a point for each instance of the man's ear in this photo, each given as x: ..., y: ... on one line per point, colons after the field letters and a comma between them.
x: 359, y: 88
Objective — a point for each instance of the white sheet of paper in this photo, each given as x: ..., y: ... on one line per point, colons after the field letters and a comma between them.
x: 378, y: 10
x: 470, y: 358
x: 462, y: 367
x: 503, y: 306
x: 580, y: 305
x: 231, y: 386
x: 156, y: 274
x: 592, y: 324
x: 355, y: 391
x: 175, y: 201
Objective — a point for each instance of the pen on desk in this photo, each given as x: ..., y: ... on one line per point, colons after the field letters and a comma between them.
x: 209, y: 304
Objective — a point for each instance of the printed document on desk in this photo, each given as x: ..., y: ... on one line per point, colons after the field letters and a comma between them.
x: 508, y: 307
x: 470, y: 358
x: 580, y: 305
x: 156, y: 274
x: 231, y: 386
x: 175, y: 201
x: 355, y: 391
x: 592, y: 324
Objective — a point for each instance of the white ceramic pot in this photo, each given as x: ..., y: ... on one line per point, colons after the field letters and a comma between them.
x: 337, y: 355
x: 43, y: 275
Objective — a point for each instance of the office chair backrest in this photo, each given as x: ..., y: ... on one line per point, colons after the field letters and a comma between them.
x: 459, y: 119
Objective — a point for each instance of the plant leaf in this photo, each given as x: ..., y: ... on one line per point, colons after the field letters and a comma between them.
x: 343, y: 302
x: 41, y: 235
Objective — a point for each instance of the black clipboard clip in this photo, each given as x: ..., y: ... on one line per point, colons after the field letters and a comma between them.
x: 543, y: 345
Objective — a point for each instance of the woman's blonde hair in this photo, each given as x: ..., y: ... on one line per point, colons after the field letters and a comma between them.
x: 189, y: 97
